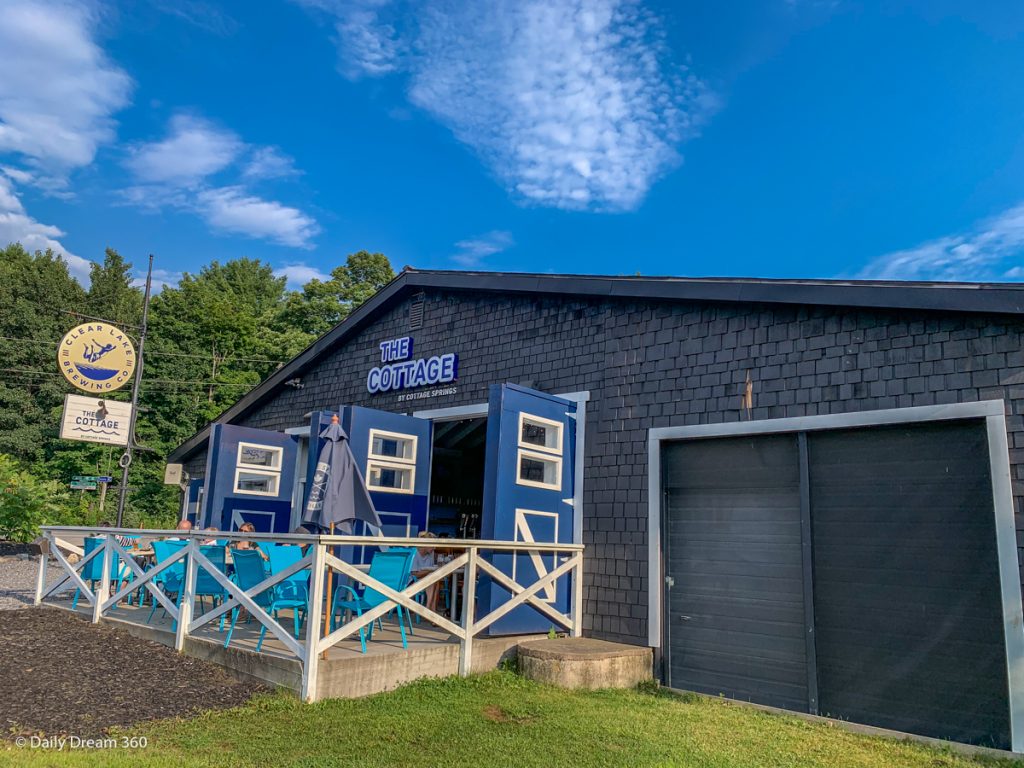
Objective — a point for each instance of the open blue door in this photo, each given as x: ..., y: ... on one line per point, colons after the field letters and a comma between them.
x: 250, y: 475
x: 528, y: 495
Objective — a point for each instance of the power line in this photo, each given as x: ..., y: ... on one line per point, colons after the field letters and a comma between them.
x: 160, y: 354
x: 27, y: 372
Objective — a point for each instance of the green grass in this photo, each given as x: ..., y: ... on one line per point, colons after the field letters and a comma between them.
x: 500, y: 719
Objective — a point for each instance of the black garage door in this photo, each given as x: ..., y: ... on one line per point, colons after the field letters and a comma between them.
x: 905, y: 630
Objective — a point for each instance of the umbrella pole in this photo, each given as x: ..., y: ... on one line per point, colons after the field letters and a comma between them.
x: 327, y: 613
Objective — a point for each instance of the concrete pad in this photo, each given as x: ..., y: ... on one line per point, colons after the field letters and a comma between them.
x: 577, y: 662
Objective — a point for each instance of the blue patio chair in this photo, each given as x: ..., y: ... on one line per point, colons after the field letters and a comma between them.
x: 292, y: 592
x: 267, y: 547
x: 391, y: 569
x: 171, y: 579
x: 206, y: 585
x: 93, y: 570
x: 409, y: 579
x: 250, y: 570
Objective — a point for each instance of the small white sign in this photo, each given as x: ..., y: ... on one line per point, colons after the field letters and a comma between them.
x: 95, y: 421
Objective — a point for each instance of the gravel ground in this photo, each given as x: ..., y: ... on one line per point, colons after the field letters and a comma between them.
x: 18, y: 581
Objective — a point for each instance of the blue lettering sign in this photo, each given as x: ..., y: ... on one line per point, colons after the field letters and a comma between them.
x: 406, y: 373
x: 396, y: 349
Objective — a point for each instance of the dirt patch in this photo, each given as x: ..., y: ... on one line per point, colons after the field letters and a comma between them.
x: 61, y: 675
x: 496, y: 714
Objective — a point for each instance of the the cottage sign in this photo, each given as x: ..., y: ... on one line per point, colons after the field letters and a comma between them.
x: 399, y: 371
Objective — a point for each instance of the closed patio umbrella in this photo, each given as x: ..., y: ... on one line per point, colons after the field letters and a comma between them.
x: 338, y: 495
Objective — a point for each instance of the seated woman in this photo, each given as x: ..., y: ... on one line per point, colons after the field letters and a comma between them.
x: 214, y: 529
x: 423, y: 563
x: 246, y: 544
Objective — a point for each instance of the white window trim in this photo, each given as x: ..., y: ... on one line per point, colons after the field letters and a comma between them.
x: 540, y: 456
x: 274, y: 475
x: 374, y: 433
x: 278, y: 452
x: 557, y: 425
x: 391, y: 464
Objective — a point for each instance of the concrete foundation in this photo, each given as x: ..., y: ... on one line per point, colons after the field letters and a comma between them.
x: 585, y: 663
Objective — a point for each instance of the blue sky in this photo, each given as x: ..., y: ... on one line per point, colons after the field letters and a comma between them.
x: 780, y: 138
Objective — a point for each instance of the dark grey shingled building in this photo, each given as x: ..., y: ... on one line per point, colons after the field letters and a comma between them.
x: 802, y: 493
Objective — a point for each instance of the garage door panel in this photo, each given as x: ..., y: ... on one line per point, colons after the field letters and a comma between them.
x: 732, y: 541
x: 927, y: 488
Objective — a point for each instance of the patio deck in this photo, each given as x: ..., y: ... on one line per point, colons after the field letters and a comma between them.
x: 346, y: 672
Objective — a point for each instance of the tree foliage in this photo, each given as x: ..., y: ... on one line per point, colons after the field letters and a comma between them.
x: 211, y: 338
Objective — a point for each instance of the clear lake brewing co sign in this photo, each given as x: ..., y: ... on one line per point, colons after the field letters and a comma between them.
x: 96, y: 357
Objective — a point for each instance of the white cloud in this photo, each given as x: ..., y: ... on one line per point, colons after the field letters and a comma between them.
x: 299, y: 274
x: 573, y: 104
x: 232, y: 209
x: 16, y: 226
x: 193, y: 150
x: 58, y: 90
x: 205, y: 16
x: 368, y: 43
x: 175, y: 173
x: 992, y: 250
x: 162, y: 278
x: 473, y: 250
x: 269, y: 163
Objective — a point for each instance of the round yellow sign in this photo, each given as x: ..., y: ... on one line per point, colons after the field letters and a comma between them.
x: 96, y: 357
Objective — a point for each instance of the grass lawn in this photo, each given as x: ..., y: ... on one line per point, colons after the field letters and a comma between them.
x: 498, y: 719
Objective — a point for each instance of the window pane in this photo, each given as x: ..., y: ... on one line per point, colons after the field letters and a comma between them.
x: 540, y: 434
x: 392, y: 447
x: 393, y: 478
x: 535, y: 469
x: 250, y: 482
x: 259, y: 456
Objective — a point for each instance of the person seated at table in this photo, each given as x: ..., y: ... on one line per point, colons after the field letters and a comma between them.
x: 423, y: 563
x: 248, y: 544
x: 214, y: 529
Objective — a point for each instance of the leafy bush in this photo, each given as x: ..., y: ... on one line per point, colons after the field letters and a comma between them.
x: 26, y: 502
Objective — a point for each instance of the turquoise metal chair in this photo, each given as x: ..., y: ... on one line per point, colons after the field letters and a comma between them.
x: 171, y: 579
x: 206, y: 585
x: 92, y: 572
x: 292, y: 592
x: 250, y: 570
x: 391, y: 569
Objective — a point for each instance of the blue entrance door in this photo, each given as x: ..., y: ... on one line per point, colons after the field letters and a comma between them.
x: 528, y: 495
x: 250, y: 476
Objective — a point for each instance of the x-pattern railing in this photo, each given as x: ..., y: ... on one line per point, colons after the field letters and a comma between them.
x: 470, y: 558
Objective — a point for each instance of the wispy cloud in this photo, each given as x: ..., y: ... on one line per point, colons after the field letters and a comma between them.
x: 472, y: 251
x: 574, y: 104
x: 208, y: 17
x: 162, y: 278
x: 17, y: 226
x: 193, y: 150
x: 192, y: 170
x: 298, y: 275
x: 269, y: 163
x: 992, y: 250
x: 231, y: 209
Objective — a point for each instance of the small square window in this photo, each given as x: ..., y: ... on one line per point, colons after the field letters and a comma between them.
x: 539, y: 470
x: 392, y: 478
x: 257, y: 483
x: 259, y: 456
x: 540, y: 434
x: 394, y: 446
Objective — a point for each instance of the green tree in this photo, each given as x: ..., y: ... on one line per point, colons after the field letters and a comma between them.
x: 322, y: 304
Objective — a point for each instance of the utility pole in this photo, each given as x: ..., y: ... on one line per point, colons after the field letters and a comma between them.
x: 126, y: 457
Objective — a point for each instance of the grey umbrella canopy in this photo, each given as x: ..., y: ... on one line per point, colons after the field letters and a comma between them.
x: 338, y: 495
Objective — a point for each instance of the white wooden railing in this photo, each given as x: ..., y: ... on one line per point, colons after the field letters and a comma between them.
x: 472, y: 557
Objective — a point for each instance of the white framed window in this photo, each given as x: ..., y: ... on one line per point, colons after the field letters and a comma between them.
x: 392, y: 446
x: 390, y: 476
x: 255, y: 456
x: 391, y: 466
x: 539, y: 470
x: 539, y: 434
x: 257, y: 482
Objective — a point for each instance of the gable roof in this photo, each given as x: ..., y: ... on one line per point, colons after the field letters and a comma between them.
x: 990, y: 298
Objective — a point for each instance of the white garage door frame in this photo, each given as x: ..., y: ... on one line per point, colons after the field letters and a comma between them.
x: 993, y: 411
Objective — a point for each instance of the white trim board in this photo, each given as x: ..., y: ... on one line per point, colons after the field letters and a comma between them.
x: 992, y: 411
